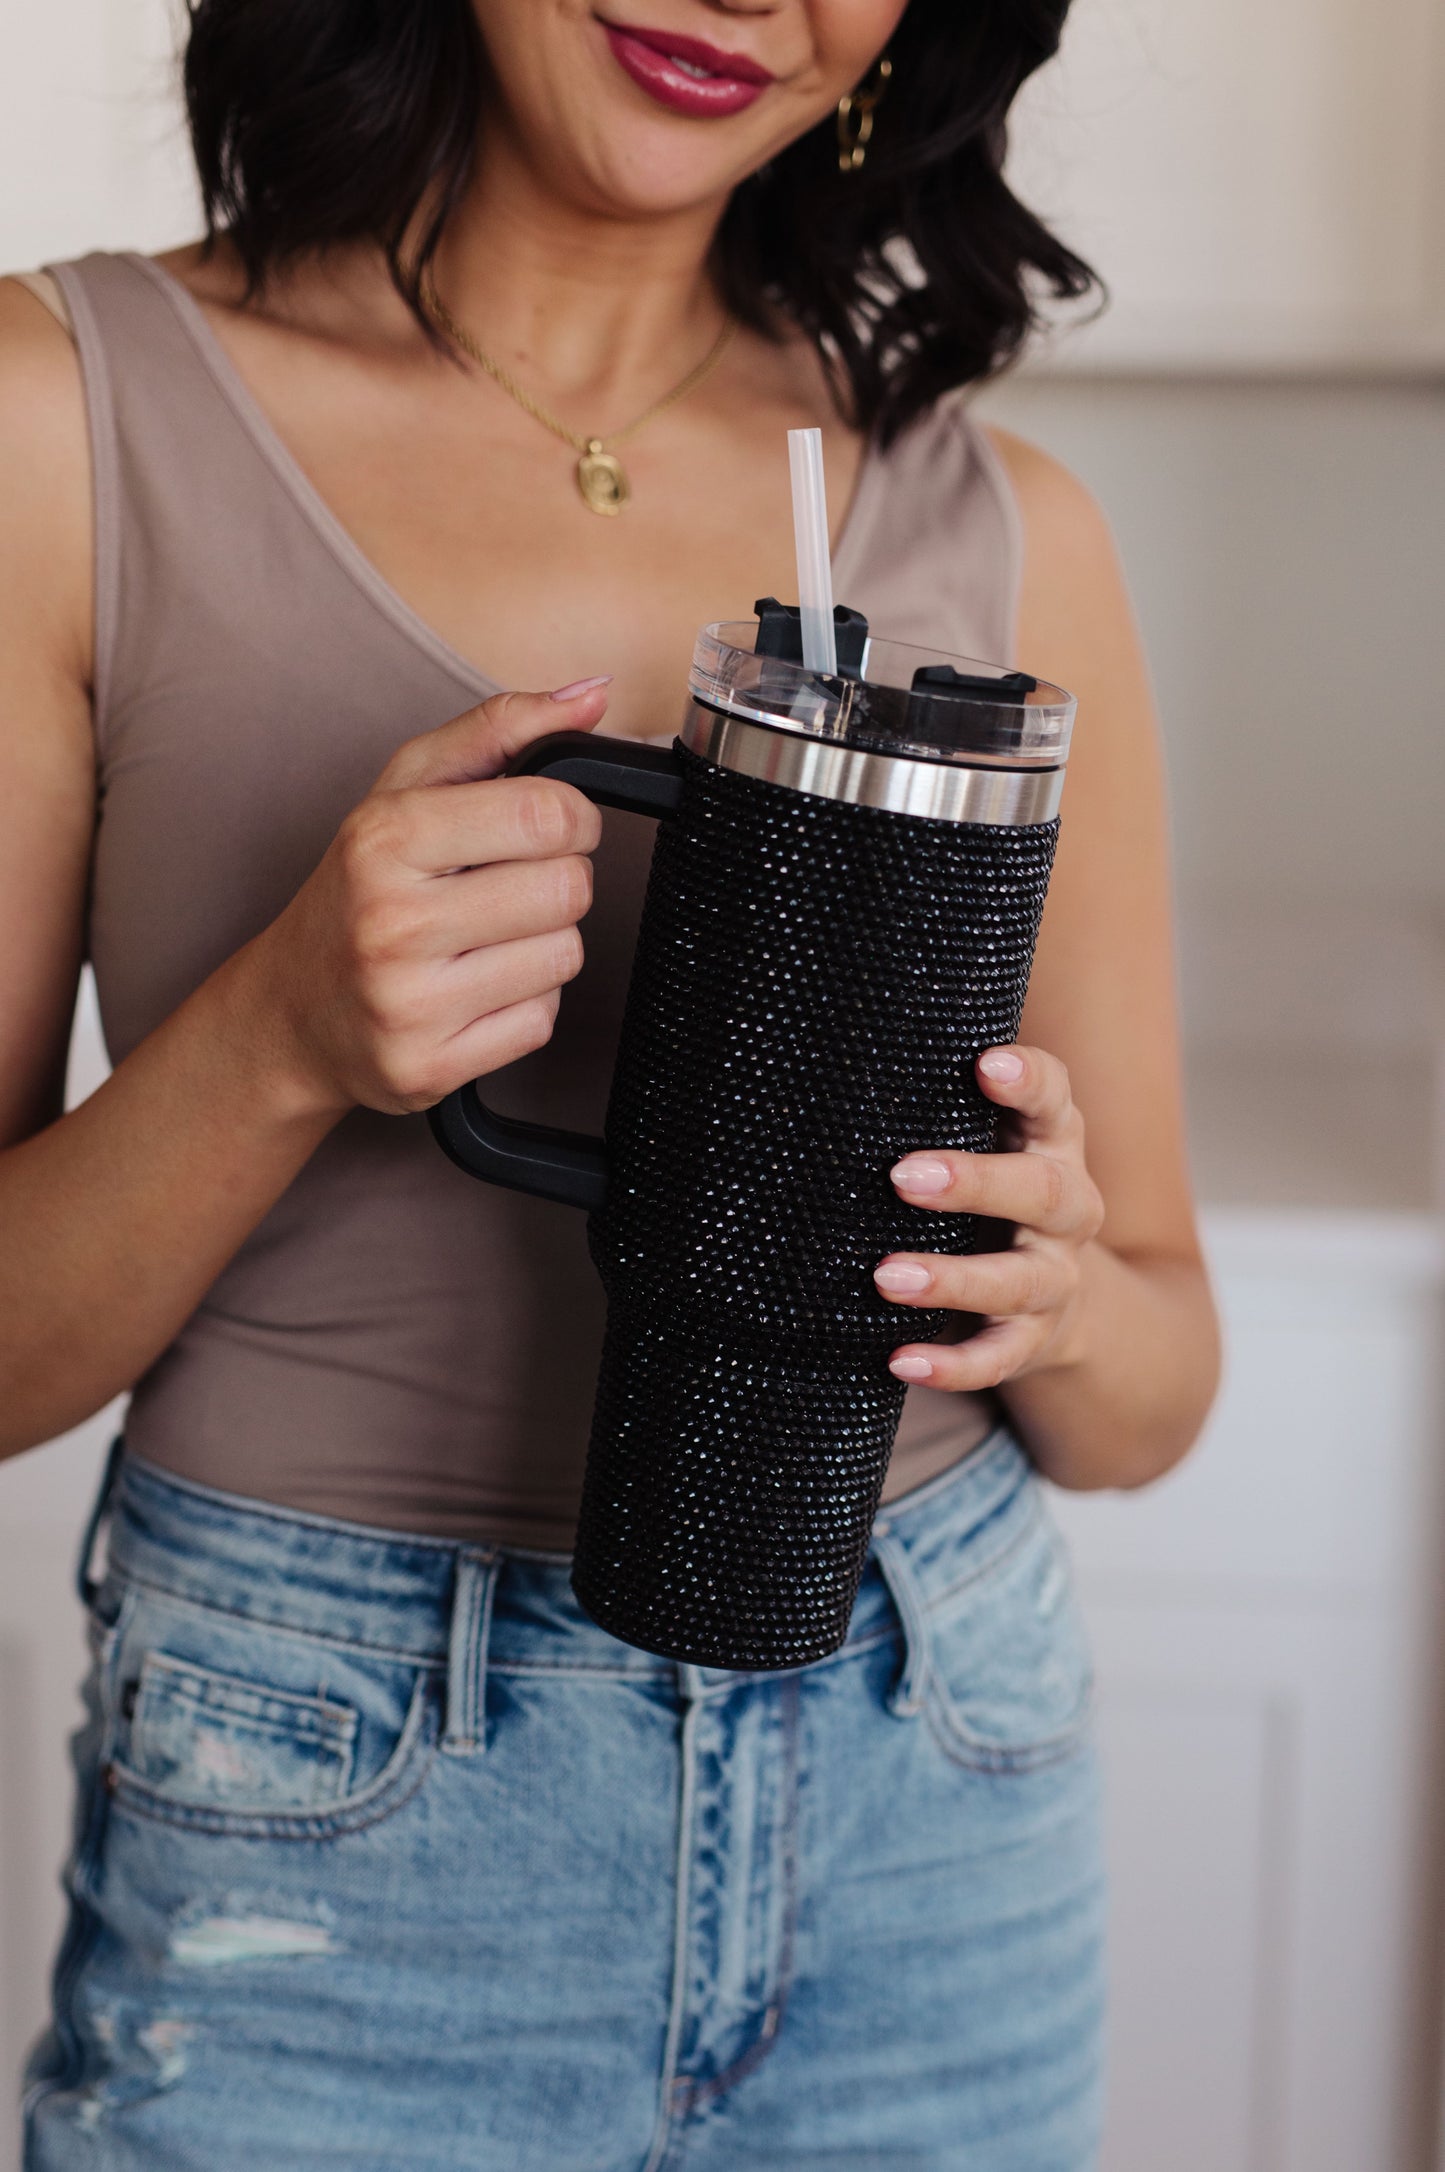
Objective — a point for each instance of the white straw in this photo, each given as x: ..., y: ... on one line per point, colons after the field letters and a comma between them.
x: 810, y: 532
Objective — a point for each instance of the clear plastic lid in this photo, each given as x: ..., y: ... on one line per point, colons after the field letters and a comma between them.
x: 920, y: 703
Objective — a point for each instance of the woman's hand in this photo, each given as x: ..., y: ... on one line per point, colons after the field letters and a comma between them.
x: 1029, y: 1296
x: 431, y: 943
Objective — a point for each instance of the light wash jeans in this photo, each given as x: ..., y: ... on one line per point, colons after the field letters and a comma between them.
x: 388, y: 1858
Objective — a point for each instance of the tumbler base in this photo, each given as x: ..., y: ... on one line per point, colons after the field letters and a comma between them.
x: 721, y: 1654
x: 729, y: 1496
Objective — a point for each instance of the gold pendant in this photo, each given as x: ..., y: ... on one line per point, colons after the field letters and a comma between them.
x: 601, y: 480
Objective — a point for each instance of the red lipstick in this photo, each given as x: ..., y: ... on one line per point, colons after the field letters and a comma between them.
x: 686, y: 74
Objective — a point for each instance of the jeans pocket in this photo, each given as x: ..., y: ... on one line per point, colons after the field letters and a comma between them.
x: 203, y: 1737
x: 230, y: 1726
x: 1011, y: 1680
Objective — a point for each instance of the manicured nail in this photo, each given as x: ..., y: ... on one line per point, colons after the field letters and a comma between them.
x: 922, y: 1175
x: 909, y: 1366
x: 1001, y: 1064
x: 582, y: 686
x: 897, y: 1275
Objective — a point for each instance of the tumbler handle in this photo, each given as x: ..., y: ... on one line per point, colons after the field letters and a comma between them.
x: 562, y: 1165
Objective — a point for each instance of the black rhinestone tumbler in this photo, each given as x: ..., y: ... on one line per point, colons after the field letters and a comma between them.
x: 814, y: 978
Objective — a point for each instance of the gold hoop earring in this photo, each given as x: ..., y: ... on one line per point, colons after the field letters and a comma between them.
x: 856, y: 109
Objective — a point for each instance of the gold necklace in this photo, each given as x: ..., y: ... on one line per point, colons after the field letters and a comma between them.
x: 600, y: 474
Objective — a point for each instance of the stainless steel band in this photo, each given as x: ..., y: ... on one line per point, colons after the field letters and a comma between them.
x: 936, y: 791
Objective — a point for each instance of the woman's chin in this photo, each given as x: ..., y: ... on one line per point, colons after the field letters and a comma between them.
x: 632, y: 164
x: 654, y: 176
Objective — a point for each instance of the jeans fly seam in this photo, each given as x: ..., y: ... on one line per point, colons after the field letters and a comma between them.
x: 748, y: 2061
x: 663, y: 2130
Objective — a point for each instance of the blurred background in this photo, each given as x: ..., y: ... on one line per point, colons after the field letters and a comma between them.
x: 1262, y: 412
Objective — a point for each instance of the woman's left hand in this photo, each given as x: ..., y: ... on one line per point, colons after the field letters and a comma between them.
x: 1029, y: 1296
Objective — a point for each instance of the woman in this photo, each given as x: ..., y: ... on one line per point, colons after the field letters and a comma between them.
x: 384, y: 1853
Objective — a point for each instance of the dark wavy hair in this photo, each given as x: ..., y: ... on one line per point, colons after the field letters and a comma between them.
x: 318, y: 122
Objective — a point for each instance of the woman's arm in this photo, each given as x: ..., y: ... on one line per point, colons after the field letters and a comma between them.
x: 114, y: 1219
x: 1101, y: 1335
x: 427, y: 948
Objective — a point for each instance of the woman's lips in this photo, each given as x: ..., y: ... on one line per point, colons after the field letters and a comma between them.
x: 686, y: 75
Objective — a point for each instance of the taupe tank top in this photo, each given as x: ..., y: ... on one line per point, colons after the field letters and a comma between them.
x: 396, y: 1343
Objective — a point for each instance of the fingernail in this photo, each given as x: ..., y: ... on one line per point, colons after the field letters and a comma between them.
x: 1001, y: 1064
x: 922, y: 1175
x: 909, y: 1366
x: 581, y: 686
x: 898, y: 1275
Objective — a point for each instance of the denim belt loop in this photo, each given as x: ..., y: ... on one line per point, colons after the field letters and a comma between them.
x: 85, y: 1583
x: 472, y: 1593
x: 905, y: 1699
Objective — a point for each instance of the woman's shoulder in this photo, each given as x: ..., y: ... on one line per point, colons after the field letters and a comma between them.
x: 949, y: 441
x: 1076, y: 621
x: 1073, y: 595
x: 46, y: 641
x: 45, y: 462
x: 39, y: 374
x: 1062, y: 519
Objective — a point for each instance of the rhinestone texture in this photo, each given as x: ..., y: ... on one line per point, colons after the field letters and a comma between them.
x: 812, y: 985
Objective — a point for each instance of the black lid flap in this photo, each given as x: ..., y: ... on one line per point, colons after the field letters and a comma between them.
x: 780, y: 634
x: 943, y: 679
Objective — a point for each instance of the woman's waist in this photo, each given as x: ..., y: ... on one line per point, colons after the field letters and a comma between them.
x: 391, y: 1591
x: 449, y: 1409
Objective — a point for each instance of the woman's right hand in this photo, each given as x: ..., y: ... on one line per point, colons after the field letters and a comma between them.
x: 431, y: 944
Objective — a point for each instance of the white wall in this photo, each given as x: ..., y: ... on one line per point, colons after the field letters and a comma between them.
x: 91, y: 151
x: 1285, y: 541
x: 1261, y: 184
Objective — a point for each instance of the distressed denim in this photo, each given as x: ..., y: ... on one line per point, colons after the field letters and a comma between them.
x: 387, y: 1857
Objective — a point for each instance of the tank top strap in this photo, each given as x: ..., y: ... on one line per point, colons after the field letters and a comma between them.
x: 76, y: 283
x: 933, y: 549
x: 182, y: 505
x: 204, y: 521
